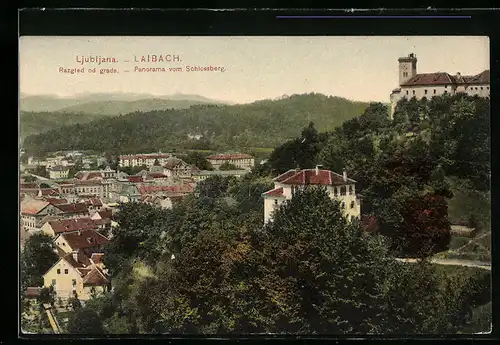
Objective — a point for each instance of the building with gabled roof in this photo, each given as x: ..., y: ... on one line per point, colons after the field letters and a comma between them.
x: 338, y: 187
x: 87, y: 241
x: 35, y: 212
x: 240, y: 160
x: 59, y: 226
x: 428, y: 85
x: 77, y: 275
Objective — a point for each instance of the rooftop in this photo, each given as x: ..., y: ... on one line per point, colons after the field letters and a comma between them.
x: 312, y: 176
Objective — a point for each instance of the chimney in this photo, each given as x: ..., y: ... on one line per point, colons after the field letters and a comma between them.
x: 75, y: 256
x: 79, y: 233
x: 318, y: 168
x: 458, y: 75
x: 344, y: 175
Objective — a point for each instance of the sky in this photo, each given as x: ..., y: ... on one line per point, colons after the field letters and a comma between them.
x: 362, y: 68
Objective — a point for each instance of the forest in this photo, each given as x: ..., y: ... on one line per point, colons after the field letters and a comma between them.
x: 209, y: 265
x: 264, y: 124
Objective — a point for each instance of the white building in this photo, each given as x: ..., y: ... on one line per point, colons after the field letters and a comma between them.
x: 58, y: 172
x: 240, y: 160
x: 429, y: 85
x: 147, y: 159
x: 338, y: 187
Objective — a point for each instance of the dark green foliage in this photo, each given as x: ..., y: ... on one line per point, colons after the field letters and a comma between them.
x: 260, y: 124
x: 85, y: 321
x: 37, y: 257
x: 47, y: 296
x: 198, y: 159
x: 228, y: 166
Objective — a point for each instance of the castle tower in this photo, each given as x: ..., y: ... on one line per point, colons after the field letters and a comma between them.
x: 407, y: 67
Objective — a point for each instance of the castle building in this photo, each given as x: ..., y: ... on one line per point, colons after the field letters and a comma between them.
x: 420, y: 85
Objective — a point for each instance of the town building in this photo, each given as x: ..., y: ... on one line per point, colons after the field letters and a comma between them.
x: 34, y: 213
x: 240, y: 160
x: 204, y: 174
x: 420, y: 85
x: 338, y: 187
x: 77, y: 275
x: 58, y: 172
x: 147, y: 159
x: 177, y: 167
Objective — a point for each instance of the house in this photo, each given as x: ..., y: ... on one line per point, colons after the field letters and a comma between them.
x: 74, y: 210
x: 177, y: 167
x: 105, y: 213
x: 147, y: 159
x: 420, y: 85
x: 338, y: 187
x: 76, y: 275
x: 34, y: 213
x: 240, y: 160
x: 59, y: 226
x: 89, y: 187
x: 58, y: 172
x: 204, y: 174
x: 87, y: 241
x: 462, y: 231
x: 93, y: 204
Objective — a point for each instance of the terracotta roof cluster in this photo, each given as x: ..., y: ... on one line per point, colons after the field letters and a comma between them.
x: 92, y: 202
x: 145, y: 156
x: 28, y: 186
x: 96, y: 277
x: 71, y: 225
x: 443, y: 78
x: 97, y: 258
x: 73, y: 208
x: 106, y: 213
x: 228, y: 156
x: 156, y: 175
x: 312, y: 176
x: 84, y: 239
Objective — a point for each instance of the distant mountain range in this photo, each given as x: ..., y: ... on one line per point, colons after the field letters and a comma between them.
x: 110, y: 103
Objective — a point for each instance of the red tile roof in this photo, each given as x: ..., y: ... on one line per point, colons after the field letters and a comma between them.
x: 33, y: 292
x: 28, y: 186
x: 228, y: 156
x: 310, y: 176
x: 443, y: 78
x: 89, y: 175
x: 82, y: 261
x: 157, y: 175
x: 56, y: 201
x: 69, y: 225
x: 84, y: 239
x: 97, y: 258
x: 106, y: 213
x: 33, y: 206
x: 96, y: 277
x: 277, y: 192
x: 145, y: 156
x: 73, y: 208
x: 135, y: 179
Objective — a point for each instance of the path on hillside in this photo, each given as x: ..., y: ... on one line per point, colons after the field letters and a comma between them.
x: 454, y: 262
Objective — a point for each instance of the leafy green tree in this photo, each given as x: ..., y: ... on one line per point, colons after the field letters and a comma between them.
x: 214, y: 186
x: 85, y: 321
x: 199, y: 160
x: 37, y: 257
x: 228, y: 166
x: 44, y: 185
x: 47, y: 296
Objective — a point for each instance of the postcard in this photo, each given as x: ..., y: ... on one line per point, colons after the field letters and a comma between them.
x: 233, y: 185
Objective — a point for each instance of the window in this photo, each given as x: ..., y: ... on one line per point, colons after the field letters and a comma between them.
x: 342, y: 190
x: 66, y: 271
x: 53, y: 282
x: 487, y: 87
x: 335, y: 191
x: 58, y: 271
x: 406, y: 91
x: 413, y: 91
x: 425, y: 91
x: 434, y: 91
x: 476, y: 88
x: 445, y: 91
x: 64, y: 243
x: 352, y: 204
x: 481, y: 87
x: 446, y: 86
x: 73, y: 282
x: 342, y: 205
x: 276, y: 201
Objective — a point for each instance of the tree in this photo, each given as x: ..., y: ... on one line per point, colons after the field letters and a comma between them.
x: 47, y: 295
x: 29, y: 179
x: 36, y: 258
x: 44, y: 185
x: 214, y: 186
x: 41, y: 171
x: 228, y: 166
x: 75, y: 303
x: 85, y: 321
x: 199, y: 160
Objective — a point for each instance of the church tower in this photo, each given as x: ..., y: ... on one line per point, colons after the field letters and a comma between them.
x: 407, y: 67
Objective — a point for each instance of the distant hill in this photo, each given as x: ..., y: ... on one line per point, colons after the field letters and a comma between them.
x: 266, y: 123
x: 117, y: 107
x: 109, y: 103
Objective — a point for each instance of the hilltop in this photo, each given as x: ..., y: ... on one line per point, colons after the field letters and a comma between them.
x: 264, y: 123
x: 109, y: 103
